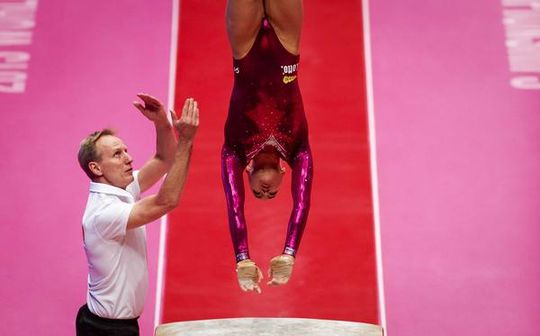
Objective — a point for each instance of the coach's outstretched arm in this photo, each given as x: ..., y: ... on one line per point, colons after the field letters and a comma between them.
x: 153, y: 207
x: 154, y: 169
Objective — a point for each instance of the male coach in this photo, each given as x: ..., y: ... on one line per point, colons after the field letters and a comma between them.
x: 113, y: 223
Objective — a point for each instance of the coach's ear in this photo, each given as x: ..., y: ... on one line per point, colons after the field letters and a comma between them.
x: 95, y: 169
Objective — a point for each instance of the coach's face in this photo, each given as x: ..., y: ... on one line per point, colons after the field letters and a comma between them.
x: 114, y: 166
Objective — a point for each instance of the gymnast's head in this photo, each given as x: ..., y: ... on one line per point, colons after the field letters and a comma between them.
x: 104, y: 158
x: 265, y: 182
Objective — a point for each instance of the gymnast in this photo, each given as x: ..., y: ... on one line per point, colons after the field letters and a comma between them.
x: 265, y: 126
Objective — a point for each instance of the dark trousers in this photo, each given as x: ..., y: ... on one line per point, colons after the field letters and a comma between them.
x: 88, y: 324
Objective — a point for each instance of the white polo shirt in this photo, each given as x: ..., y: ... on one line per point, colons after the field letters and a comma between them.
x: 117, y: 268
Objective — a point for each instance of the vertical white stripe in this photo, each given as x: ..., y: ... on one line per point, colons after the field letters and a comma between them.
x: 163, y: 222
x: 373, y: 163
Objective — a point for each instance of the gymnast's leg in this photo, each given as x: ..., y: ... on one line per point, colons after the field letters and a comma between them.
x: 286, y: 16
x: 243, y: 20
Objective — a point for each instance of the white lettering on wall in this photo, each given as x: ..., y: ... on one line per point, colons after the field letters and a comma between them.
x: 526, y: 82
x: 17, y: 21
x: 521, y: 20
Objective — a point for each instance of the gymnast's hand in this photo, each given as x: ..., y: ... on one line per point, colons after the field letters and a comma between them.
x: 249, y: 275
x: 188, y: 123
x: 280, y: 269
x: 152, y: 109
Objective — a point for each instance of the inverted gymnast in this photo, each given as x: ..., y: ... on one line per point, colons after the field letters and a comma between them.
x: 265, y: 125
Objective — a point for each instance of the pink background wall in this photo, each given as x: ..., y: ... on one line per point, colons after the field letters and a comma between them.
x: 459, y: 171
x: 88, y: 59
x: 457, y: 147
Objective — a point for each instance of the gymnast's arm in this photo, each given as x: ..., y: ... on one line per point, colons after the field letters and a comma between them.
x: 302, y: 176
x: 233, y: 185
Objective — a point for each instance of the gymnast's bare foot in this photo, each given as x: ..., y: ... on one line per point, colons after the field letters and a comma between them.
x: 280, y: 271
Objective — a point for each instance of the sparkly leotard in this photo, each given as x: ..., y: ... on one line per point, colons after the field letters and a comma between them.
x: 266, y: 110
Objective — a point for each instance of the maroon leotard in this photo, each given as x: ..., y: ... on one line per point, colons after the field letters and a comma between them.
x: 266, y: 110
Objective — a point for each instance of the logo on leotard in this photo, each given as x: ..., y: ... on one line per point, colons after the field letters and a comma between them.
x: 289, y: 69
x: 236, y: 70
x: 289, y: 72
x: 288, y: 79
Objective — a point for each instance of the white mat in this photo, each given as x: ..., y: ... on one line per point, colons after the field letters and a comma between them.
x: 268, y: 327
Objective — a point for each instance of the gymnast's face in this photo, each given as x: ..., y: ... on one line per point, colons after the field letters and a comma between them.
x: 114, y: 164
x: 265, y: 182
